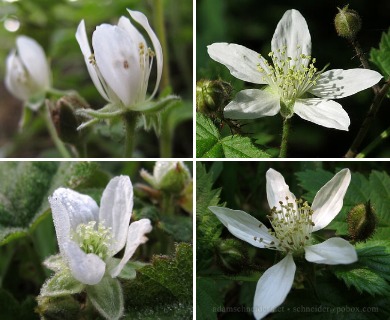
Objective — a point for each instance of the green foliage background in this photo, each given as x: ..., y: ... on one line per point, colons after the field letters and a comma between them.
x: 228, y: 269
x: 53, y: 24
x: 252, y: 23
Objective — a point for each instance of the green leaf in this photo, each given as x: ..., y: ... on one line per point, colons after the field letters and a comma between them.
x: 166, y: 282
x: 375, y: 255
x: 107, y: 298
x: 363, y: 279
x: 181, y: 311
x: 241, y: 147
x: 381, y: 57
x: 12, y: 309
x: 209, y: 228
x: 208, y: 299
x: 61, y: 283
x: 180, y: 228
x: 26, y: 186
x: 207, y: 138
x: 210, y: 144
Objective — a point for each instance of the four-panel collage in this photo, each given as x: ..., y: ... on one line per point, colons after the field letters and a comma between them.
x: 155, y: 213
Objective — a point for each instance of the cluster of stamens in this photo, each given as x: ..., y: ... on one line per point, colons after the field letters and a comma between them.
x: 92, y: 239
x: 292, y: 225
x: 290, y: 77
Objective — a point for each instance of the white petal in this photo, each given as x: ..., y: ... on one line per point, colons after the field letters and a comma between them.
x: 273, y: 287
x: 117, y: 58
x: 332, y: 251
x: 116, y: 207
x: 135, y: 237
x: 69, y: 209
x: 82, y: 39
x: 277, y: 189
x: 34, y: 59
x: 143, y: 21
x: 244, y: 226
x: 86, y: 268
x: 329, y: 199
x: 161, y: 168
x: 338, y: 83
x: 292, y: 33
x: 241, y: 61
x: 326, y: 113
x: 252, y: 104
x: 15, y: 72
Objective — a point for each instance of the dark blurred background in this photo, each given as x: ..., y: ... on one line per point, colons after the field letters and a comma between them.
x: 252, y: 23
x: 53, y: 24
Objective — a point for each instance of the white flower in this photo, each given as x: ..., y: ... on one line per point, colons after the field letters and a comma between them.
x: 27, y: 70
x: 293, y: 221
x: 122, y: 61
x: 88, y: 237
x: 292, y: 80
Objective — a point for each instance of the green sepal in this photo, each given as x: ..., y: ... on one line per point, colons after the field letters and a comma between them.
x: 109, y: 111
x: 129, y: 271
x: 107, y: 298
x: 155, y: 106
x: 55, y: 263
x: 36, y: 101
x: 61, y: 283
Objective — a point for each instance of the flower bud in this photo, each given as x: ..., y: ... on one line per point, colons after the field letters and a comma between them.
x: 348, y: 23
x: 212, y: 96
x: 27, y: 71
x: 65, y: 119
x: 231, y: 255
x: 168, y: 176
x: 361, y: 222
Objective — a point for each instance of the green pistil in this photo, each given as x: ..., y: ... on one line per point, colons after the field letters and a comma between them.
x: 291, y: 78
x: 93, y: 240
x: 292, y: 225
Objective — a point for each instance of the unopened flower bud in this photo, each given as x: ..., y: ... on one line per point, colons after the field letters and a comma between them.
x: 348, y: 23
x: 65, y: 119
x: 168, y: 176
x: 231, y: 255
x: 361, y: 222
x: 212, y: 96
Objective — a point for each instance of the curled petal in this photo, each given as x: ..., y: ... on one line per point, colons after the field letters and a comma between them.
x: 329, y: 199
x: 327, y: 113
x: 292, y: 36
x: 69, y: 209
x: 34, y: 60
x: 117, y: 59
x: 116, y: 207
x: 82, y: 39
x: 338, y: 83
x: 252, y: 104
x: 135, y: 237
x: 241, y: 61
x: 86, y: 268
x: 332, y: 251
x: 273, y: 287
x: 244, y: 226
x: 15, y: 78
x: 143, y: 21
x: 277, y: 189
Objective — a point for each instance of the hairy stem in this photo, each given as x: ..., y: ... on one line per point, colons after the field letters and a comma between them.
x: 130, y: 121
x: 283, y: 145
x: 53, y: 132
x: 384, y: 135
x: 362, y: 57
x: 351, y: 153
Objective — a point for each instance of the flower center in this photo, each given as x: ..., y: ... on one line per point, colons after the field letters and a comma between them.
x: 292, y: 224
x: 291, y: 78
x: 92, y: 239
